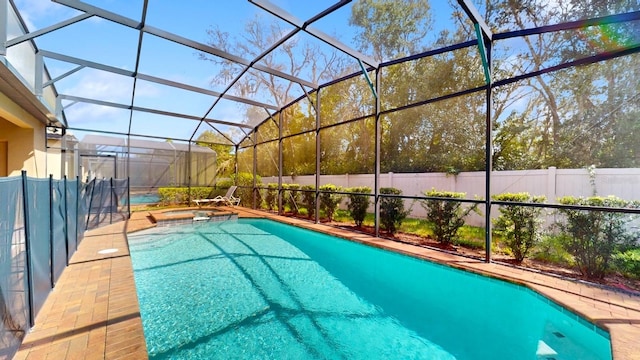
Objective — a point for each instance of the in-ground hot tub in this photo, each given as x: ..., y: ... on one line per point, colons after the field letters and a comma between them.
x: 171, y: 217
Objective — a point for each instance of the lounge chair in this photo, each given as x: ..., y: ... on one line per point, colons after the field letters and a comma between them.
x: 227, y: 199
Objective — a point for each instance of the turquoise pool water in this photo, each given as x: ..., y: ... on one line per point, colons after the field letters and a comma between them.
x: 137, y: 199
x: 256, y: 289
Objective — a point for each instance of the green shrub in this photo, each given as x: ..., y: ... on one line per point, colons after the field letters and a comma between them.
x: 271, y: 197
x: 392, y: 211
x: 358, y: 203
x: 592, y: 237
x: 550, y: 250
x: 628, y: 263
x: 224, y: 184
x: 329, y: 201
x: 171, y: 195
x: 309, y: 199
x: 291, y: 196
x: 519, y: 226
x: 244, y: 181
x: 181, y: 195
x: 446, y: 216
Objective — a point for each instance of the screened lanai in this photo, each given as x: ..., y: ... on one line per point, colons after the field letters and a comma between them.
x: 502, y: 132
x: 473, y: 97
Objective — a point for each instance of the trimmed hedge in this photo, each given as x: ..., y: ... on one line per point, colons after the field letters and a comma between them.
x: 446, y: 216
x: 358, y: 203
x: 392, y: 211
x: 181, y: 195
x: 328, y: 201
x: 309, y: 199
x: 519, y: 226
x: 592, y: 237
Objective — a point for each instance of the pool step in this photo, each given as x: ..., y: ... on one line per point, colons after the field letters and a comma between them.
x: 545, y: 351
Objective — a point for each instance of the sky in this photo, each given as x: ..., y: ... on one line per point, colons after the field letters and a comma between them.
x: 102, y: 41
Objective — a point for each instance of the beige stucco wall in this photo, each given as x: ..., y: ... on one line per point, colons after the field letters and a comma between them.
x: 26, y: 140
x: 54, y: 159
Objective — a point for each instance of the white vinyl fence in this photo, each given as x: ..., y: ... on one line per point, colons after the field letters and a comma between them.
x: 552, y: 183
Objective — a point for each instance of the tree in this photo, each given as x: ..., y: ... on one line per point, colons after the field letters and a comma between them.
x: 294, y: 57
x: 391, y: 28
x: 225, y: 159
x: 579, y: 115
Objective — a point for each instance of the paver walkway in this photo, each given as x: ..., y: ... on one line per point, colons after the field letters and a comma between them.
x: 93, y: 311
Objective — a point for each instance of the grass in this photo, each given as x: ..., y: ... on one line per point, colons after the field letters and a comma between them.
x: 468, y: 236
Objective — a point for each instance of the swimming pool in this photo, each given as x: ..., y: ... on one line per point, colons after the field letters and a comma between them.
x: 146, y: 198
x: 256, y: 289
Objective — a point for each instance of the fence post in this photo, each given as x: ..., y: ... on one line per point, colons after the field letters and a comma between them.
x: 51, y: 269
x: 27, y: 246
x: 66, y: 219
x: 551, y: 183
x: 93, y: 187
x: 78, y: 199
x: 111, y: 195
x: 101, y: 202
x: 129, y: 197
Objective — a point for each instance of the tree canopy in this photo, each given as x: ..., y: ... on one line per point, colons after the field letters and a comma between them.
x: 570, y: 117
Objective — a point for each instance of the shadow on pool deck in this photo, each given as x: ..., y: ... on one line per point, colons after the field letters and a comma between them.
x: 93, y: 311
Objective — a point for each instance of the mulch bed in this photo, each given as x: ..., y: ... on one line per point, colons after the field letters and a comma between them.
x: 612, y: 280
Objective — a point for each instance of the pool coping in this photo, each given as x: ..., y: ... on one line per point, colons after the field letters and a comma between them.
x: 93, y: 312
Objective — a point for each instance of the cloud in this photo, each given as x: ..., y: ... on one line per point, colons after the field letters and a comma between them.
x: 40, y: 13
x: 101, y: 85
x: 98, y: 85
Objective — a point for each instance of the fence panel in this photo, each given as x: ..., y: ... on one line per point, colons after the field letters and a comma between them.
x: 72, y: 215
x: 39, y: 240
x: 13, y: 279
x: 58, y: 215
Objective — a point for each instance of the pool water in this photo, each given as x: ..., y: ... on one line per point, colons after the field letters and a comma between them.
x: 256, y: 289
x: 148, y: 198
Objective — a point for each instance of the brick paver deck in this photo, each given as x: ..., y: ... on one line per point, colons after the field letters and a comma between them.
x: 93, y: 311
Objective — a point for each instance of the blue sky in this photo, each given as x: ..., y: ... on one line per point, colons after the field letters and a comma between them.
x: 105, y: 42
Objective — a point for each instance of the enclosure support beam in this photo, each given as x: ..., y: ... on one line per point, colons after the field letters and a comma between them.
x: 48, y: 29
x: 317, y: 194
x: 255, y: 161
x: 476, y: 18
x: 122, y: 20
x: 150, y: 78
x: 137, y: 66
x: 200, y: 90
x: 483, y: 54
x: 280, y: 190
x: 189, y: 175
x: 376, y: 177
x: 333, y: 42
x: 39, y: 76
x: 70, y: 72
x: 488, y: 160
x: 148, y: 110
x: 4, y: 24
x: 366, y: 77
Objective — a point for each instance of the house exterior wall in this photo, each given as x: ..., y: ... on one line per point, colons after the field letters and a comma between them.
x: 26, y: 141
